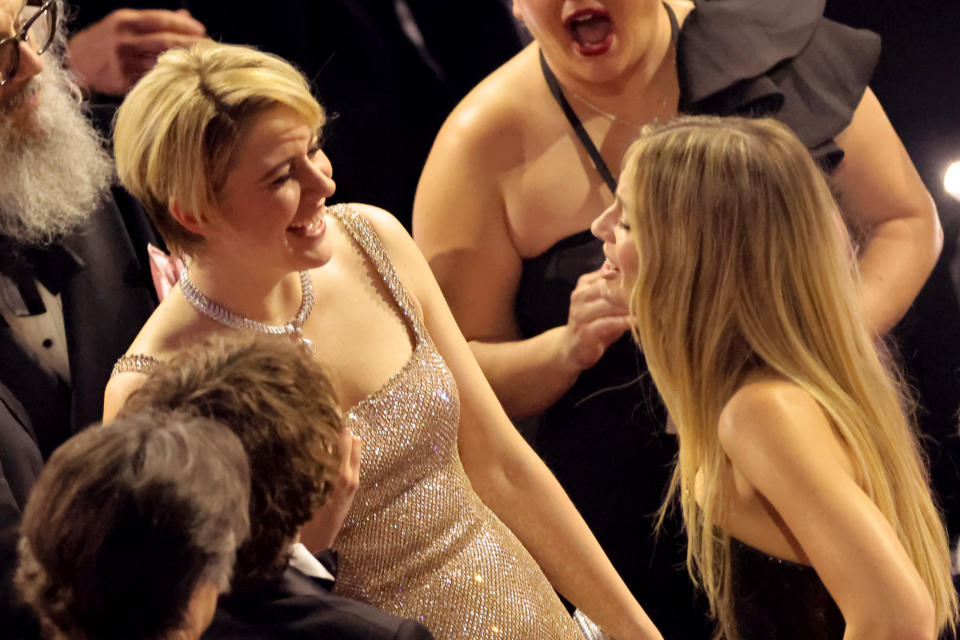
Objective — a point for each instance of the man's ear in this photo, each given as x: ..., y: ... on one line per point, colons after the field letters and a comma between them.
x: 516, y: 11
x: 187, y: 219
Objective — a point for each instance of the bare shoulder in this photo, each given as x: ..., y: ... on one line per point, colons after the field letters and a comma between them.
x: 396, y: 241
x: 769, y: 411
x: 404, y: 254
x: 478, y: 146
x: 171, y: 327
x: 168, y: 330
x: 497, y: 108
x: 773, y: 428
x: 119, y: 387
x: 386, y: 225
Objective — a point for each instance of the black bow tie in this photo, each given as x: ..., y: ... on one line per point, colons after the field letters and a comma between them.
x: 330, y: 559
x: 54, y: 266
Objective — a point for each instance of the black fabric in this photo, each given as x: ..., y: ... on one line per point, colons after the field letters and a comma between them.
x: 16, y: 620
x: 330, y: 560
x: 20, y: 465
x: 27, y: 288
x: 605, y: 438
x: 20, y: 460
x: 52, y: 265
x: 106, y: 300
x: 775, y: 599
x: 299, y: 607
x: 776, y: 59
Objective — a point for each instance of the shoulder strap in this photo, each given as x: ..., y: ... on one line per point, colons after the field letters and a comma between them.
x: 557, y: 91
x: 674, y: 23
x: 369, y: 242
x: 139, y: 362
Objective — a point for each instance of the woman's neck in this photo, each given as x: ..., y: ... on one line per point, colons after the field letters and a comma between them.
x: 268, y: 296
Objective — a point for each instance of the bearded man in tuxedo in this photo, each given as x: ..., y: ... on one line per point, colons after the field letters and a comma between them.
x: 75, y: 285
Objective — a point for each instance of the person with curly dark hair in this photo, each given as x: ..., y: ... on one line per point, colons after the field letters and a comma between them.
x: 283, y: 407
x: 131, y: 529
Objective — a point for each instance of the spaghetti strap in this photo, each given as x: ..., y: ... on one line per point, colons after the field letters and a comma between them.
x: 363, y: 234
x: 556, y: 90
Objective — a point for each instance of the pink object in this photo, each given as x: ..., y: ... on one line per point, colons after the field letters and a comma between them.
x: 165, y: 270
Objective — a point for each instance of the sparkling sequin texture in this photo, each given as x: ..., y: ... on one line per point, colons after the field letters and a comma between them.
x: 134, y: 362
x: 418, y: 542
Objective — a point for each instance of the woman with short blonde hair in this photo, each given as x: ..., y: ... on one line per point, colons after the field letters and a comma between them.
x: 222, y: 144
x: 206, y: 93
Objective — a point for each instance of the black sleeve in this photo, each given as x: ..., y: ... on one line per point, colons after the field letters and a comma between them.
x: 410, y: 630
x: 468, y: 38
x: 16, y: 476
x: 16, y: 620
x: 779, y: 59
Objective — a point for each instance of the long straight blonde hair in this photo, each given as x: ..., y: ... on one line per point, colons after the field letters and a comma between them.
x: 743, y: 263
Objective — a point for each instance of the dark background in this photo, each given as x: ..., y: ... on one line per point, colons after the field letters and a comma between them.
x: 918, y: 78
x: 918, y: 82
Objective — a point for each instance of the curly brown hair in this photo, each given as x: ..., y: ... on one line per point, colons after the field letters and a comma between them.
x: 283, y: 407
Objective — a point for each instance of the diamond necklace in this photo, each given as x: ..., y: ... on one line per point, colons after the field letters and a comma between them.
x: 221, y: 314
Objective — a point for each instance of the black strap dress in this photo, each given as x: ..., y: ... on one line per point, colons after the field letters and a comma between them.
x: 605, y: 438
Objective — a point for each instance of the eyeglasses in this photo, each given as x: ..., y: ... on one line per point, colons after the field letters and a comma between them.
x: 39, y: 27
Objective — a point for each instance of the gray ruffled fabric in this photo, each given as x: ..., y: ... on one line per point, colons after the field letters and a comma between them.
x: 778, y: 58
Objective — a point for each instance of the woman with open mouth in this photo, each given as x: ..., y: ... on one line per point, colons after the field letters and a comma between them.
x: 528, y: 159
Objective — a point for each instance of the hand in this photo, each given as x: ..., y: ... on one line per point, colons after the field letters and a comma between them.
x: 322, y: 530
x: 109, y: 56
x: 594, y: 322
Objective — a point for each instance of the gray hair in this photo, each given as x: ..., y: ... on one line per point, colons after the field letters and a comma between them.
x: 55, y: 174
x: 127, y: 519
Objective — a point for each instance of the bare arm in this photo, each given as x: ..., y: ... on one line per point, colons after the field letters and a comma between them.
x: 779, y: 441
x: 882, y: 194
x: 460, y: 224
x: 507, y: 474
x: 118, y: 388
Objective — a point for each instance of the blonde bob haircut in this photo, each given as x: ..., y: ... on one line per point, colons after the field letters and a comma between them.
x: 178, y: 128
x: 744, y: 263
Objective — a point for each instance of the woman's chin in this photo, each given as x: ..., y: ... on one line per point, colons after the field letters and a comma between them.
x: 615, y: 293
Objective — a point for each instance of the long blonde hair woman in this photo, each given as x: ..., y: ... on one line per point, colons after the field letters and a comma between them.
x: 796, y: 446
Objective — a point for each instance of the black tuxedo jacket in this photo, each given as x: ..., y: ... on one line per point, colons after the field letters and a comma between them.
x: 20, y: 464
x: 107, y: 295
x: 297, y: 606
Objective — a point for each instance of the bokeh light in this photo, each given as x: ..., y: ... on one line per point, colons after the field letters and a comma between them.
x: 951, y: 180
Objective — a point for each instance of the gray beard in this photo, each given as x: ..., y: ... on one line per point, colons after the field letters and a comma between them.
x: 53, y: 177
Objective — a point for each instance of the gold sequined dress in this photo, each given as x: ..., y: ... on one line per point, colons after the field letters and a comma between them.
x: 418, y: 542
